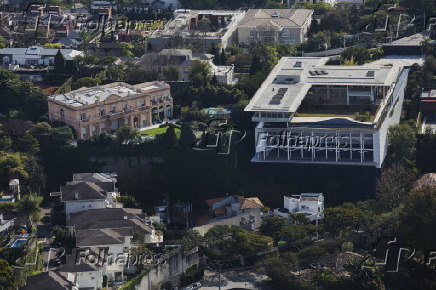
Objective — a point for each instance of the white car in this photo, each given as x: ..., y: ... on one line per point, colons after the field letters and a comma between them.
x: 196, y: 285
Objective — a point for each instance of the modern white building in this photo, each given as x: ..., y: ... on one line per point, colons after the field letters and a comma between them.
x: 310, y: 112
x: 310, y: 204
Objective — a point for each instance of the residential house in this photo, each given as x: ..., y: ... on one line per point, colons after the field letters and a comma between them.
x: 88, y: 191
x: 229, y: 207
x: 183, y: 59
x: 108, y: 233
x: 53, y: 280
x: 309, y: 204
x: 210, y: 26
x: 287, y: 26
x: 310, y: 112
x: 34, y: 55
x: 92, y: 111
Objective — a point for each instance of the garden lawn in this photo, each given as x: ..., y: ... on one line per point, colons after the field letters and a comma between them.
x: 157, y: 131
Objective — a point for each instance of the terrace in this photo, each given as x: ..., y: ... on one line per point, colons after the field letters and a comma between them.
x: 356, y: 102
x: 363, y: 113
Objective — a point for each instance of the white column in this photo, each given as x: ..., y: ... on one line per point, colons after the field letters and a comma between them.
x: 348, y: 97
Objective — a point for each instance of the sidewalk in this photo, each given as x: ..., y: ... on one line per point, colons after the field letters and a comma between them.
x: 157, y: 125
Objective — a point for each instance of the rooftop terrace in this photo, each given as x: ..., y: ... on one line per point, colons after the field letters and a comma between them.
x: 87, y: 96
x: 311, y: 89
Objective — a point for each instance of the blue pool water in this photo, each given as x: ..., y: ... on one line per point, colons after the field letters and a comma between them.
x: 217, y: 111
x: 6, y: 199
x: 18, y: 243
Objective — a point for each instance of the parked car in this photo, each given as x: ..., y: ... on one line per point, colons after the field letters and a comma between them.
x: 196, y: 285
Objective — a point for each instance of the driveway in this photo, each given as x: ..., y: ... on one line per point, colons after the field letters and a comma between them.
x: 45, y: 237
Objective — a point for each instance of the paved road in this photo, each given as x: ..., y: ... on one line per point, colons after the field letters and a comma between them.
x: 234, y: 279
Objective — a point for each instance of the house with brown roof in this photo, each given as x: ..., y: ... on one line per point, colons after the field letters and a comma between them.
x: 288, y: 26
x: 230, y: 206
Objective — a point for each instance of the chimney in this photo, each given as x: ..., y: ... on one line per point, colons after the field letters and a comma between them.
x: 76, y: 195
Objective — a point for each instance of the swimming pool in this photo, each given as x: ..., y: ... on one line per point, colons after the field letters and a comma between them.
x: 217, y: 111
x: 18, y: 243
x: 7, y: 199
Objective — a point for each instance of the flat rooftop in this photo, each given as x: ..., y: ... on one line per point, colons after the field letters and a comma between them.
x: 182, y: 22
x: 290, y: 80
x: 93, y: 95
x: 413, y: 40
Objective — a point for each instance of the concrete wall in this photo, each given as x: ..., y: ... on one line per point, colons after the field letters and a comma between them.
x: 175, y: 265
x: 329, y: 52
x: 78, y: 206
x: 91, y: 280
x: 392, y: 118
x: 128, y: 168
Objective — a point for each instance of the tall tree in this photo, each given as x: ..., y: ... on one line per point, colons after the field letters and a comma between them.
x: 127, y: 134
x: 256, y: 65
x: 6, y: 275
x: 418, y: 218
x: 27, y: 144
x: 394, y: 184
x: 59, y: 62
x: 171, y: 73
x: 402, y: 141
x: 187, y: 137
x: 223, y: 58
x: 199, y: 73
x: 169, y: 138
x: 29, y: 205
x: 343, y: 219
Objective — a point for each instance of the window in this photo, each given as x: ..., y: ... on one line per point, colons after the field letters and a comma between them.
x: 125, y: 107
x: 90, y: 205
x: 112, y: 109
x: 102, y: 112
x: 82, y: 116
x: 62, y: 113
x: 252, y: 33
x: 286, y: 33
x: 142, y: 103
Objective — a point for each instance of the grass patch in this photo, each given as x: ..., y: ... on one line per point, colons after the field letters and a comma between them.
x: 157, y: 131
